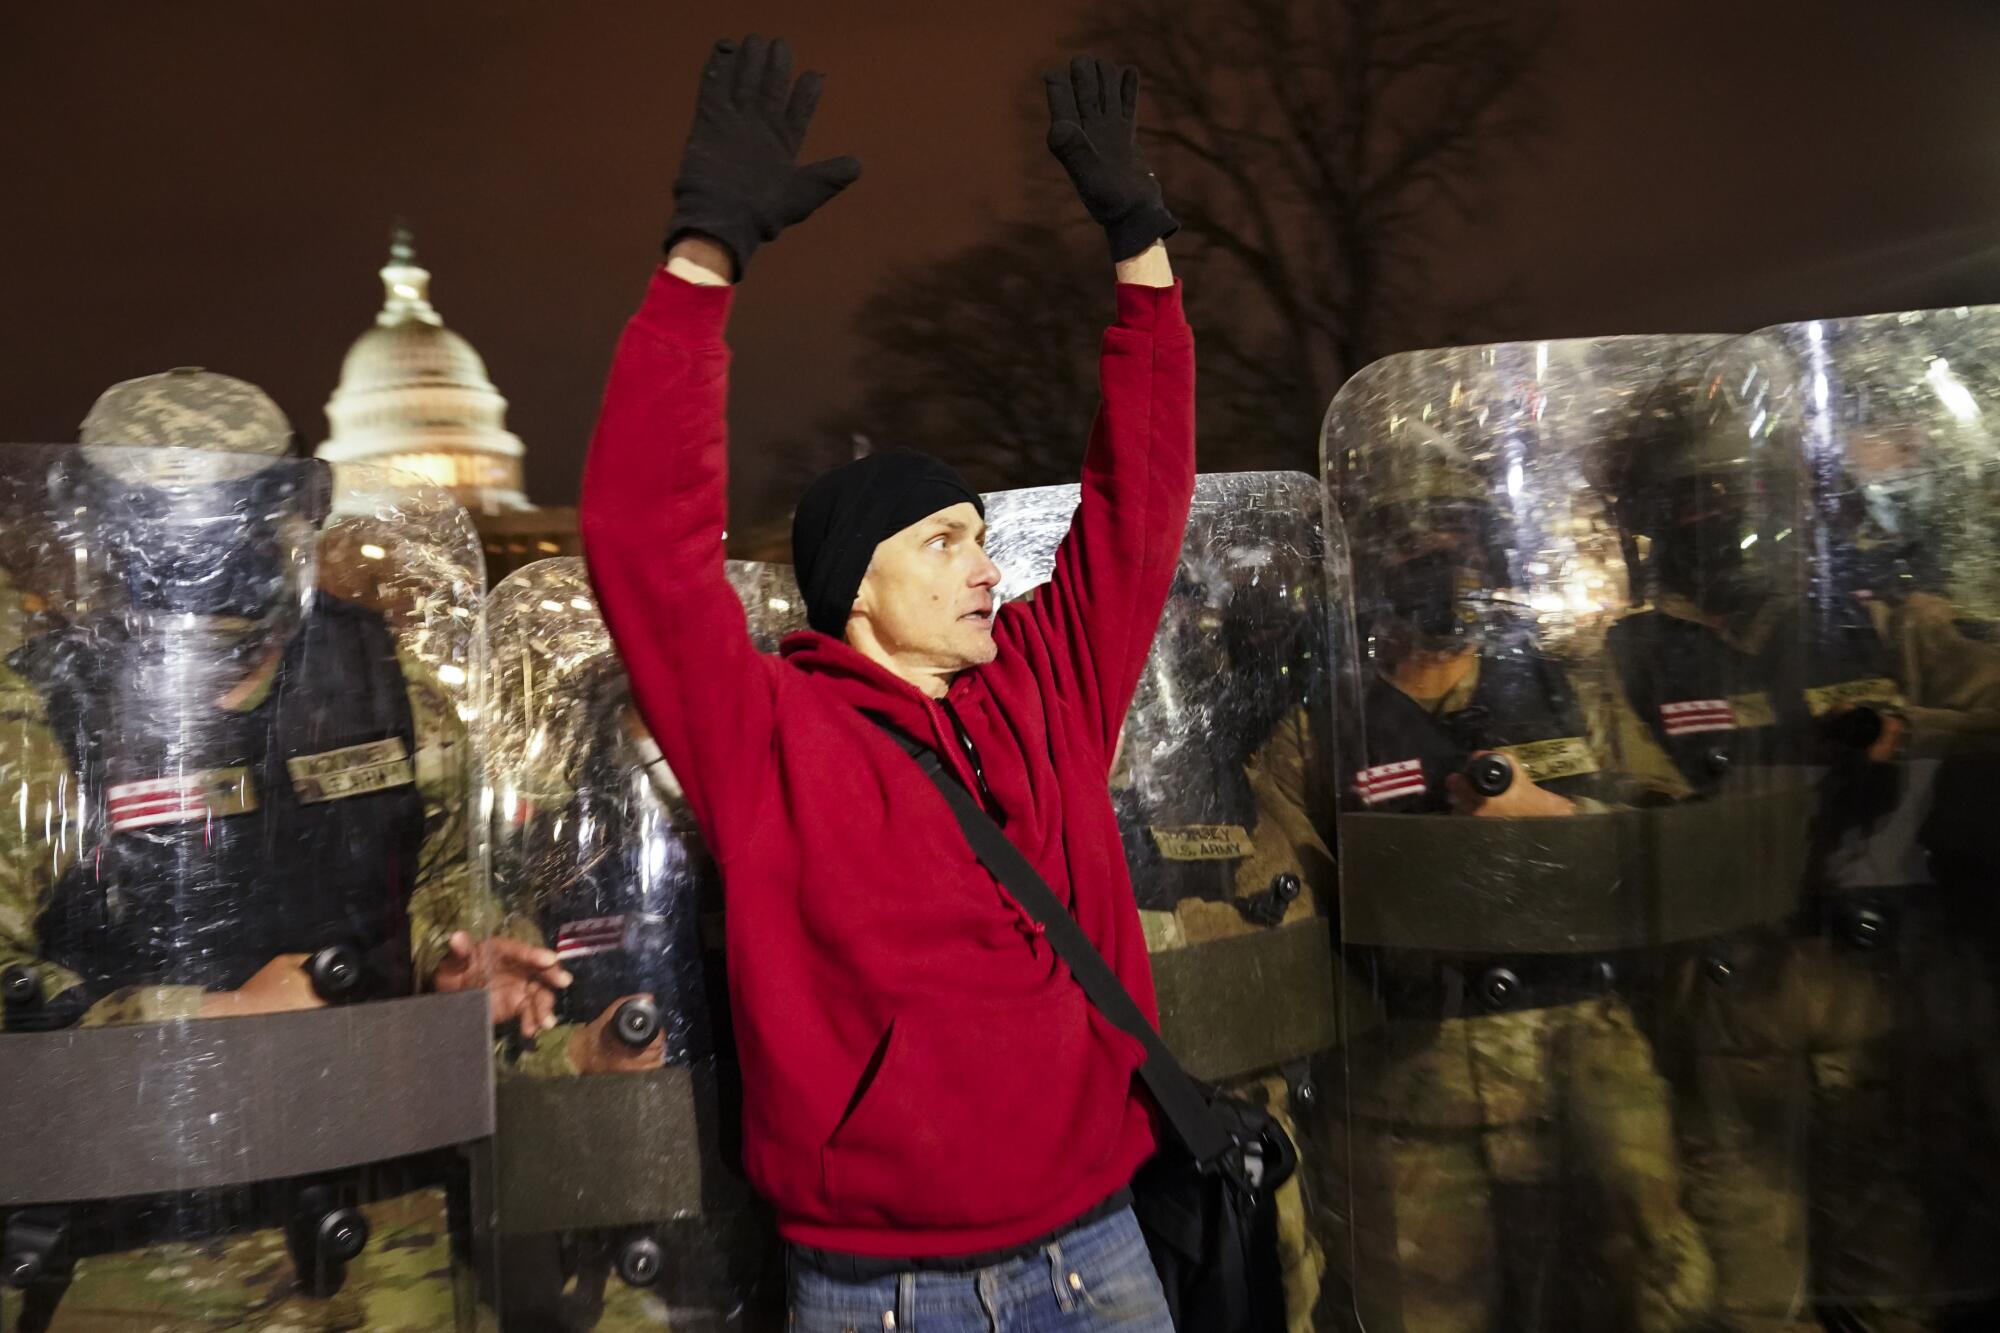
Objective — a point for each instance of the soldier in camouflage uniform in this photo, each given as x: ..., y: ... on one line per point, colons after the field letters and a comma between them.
x: 1827, y: 1058
x: 601, y: 854
x: 241, y: 798
x: 1224, y: 828
x: 1512, y: 1138
x: 622, y: 887
x: 1227, y: 829
x: 626, y: 928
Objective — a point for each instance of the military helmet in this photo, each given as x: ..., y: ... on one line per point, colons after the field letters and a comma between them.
x: 185, y: 408
x: 1712, y: 480
x: 1425, y: 533
x: 1412, y: 485
x: 1728, y: 438
x: 1411, y: 463
x: 185, y: 484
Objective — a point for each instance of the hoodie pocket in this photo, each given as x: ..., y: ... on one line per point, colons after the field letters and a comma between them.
x: 980, y: 1113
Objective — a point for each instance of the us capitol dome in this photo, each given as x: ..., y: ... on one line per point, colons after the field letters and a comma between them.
x: 414, y: 396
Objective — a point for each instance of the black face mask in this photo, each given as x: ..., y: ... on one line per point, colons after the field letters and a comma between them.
x: 1706, y: 561
x: 1438, y: 599
x: 208, y: 568
x: 220, y: 550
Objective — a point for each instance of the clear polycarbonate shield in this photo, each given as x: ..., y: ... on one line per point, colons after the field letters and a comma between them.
x: 771, y: 600
x: 1887, y: 988
x: 1571, y: 796
x: 1896, y: 417
x: 1223, y: 787
x: 616, y: 1191
x: 237, y: 788
x: 428, y: 591
x: 593, y: 842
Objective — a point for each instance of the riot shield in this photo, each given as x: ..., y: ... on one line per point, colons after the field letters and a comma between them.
x: 245, y: 1036
x: 1568, y: 798
x: 621, y: 1202
x: 1886, y: 989
x: 1224, y: 795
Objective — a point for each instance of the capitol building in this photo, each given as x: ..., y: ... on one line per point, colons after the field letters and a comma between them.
x: 415, y: 397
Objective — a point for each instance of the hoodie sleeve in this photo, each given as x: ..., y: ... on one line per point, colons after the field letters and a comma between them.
x: 1102, y: 604
x: 653, y: 515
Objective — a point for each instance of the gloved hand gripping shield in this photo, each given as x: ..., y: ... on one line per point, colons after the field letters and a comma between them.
x: 1521, y: 862
x: 1223, y: 788
x: 237, y: 819
x: 618, y: 1195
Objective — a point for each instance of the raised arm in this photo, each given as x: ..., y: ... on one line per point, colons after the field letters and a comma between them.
x: 655, y: 488
x: 1102, y: 604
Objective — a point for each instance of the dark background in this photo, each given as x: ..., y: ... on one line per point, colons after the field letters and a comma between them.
x: 213, y: 182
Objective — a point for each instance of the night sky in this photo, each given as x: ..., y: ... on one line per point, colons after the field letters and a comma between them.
x: 212, y: 182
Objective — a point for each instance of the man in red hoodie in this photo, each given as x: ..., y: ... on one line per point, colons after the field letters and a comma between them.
x: 945, y: 1125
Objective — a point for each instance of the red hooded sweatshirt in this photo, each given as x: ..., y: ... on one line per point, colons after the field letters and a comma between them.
x: 921, y: 1077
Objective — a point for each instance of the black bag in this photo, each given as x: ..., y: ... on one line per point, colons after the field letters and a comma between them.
x: 1207, y: 1199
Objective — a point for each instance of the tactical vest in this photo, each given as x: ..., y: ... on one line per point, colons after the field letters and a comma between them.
x: 216, y: 840
x: 1188, y: 842
x: 1521, y: 705
x: 1717, y: 710
x: 1714, y: 708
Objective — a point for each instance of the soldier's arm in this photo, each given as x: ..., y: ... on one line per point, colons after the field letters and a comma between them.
x: 569, y: 1049
x: 1280, y: 779
x: 460, y: 938
x: 1624, y: 745
x: 546, y: 1055
x: 43, y: 834
x: 38, y: 839
x: 44, y: 825
x: 1951, y: 682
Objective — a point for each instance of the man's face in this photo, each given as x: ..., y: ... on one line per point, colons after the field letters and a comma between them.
x: 927, y: 598
x: 1718, y: 548
x: 1435, y: 575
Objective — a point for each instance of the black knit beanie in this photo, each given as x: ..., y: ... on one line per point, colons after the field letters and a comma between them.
x: 845, y: 515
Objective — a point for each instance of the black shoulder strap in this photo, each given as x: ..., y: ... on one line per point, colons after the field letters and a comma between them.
x: 1186, y: 1110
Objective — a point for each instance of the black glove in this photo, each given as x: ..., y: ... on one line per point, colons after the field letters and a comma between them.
x: 1094, y: 133
x: 740, y: 181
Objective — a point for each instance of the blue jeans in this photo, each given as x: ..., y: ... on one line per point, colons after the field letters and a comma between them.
x: 1094, y: 1278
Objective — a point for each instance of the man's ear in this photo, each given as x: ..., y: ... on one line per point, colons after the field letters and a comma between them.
x: 864, y: 591
x: 858, y: 609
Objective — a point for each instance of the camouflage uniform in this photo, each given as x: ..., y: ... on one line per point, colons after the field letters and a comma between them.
x: 1513, y: 1155
x: 1222, y: 787
x: 1275, y: 872
x: 36, y: 774
x: 219, y: 1258
x: 1836, y: 1068
x: 1831, y: 1065
x: 408, y: 1280
x: 602, y: 856
x: 1489, y: 1148
x: 1283, y: 839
